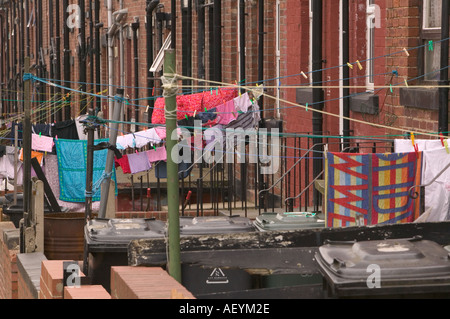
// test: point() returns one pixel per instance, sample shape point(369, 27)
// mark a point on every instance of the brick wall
point(86, 292)
point(8, 260)
point(29, 268)
point(129, 282)
point(51, 280)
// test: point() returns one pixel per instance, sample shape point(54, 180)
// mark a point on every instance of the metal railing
point(236, 188)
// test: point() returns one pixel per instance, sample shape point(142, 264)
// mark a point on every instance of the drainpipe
point(7, 63)
point(186, 10)
point(317, 92)
point(135, 27)
point(98, 25)
point(66, 60)
point(91, 47)
point(122, 49)
point(345, 71)
point(242, 38)
point(173, 7)
point(52, 70)
point(151, 6)
point(110, 61)
point(443, 90)
point(217, 42)
point(82, 55)
point(58, 53)
point(261, 48)
point(201, 39)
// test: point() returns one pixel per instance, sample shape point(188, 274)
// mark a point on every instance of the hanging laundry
point(161, 131)
point(146, 137)
point(242, 102)
point(80, 128)
point(41, 143)
point(405, 145)
point(371, 188)
point(205, 117)
point(123, 163)
point(39, 156)
point(227, 113)
point(190, 103)
point(7, 166)
point(126, 141)
point(139, 162)
point(43, 129)
point(437, 194)
point(156, 155)
point(65, 130)
point(52, 175)
point(72, 156)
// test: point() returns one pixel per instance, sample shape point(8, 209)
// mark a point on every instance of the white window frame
point(372, 14)
point(428, 34)
point(425, 17)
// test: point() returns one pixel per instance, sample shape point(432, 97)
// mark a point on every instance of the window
point(373, 16)
point(431, 31)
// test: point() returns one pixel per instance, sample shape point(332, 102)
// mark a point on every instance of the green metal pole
point(170, 86)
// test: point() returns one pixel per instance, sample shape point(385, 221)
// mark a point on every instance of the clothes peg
point(306, 107)
point(406, 51)
point(390, 88)
point(349, 65)
point(441, 136)
point(412, 139)
point(304, 75)
point(416, 149)
point(430, 45)
point(359, 65)
point(153, 92)
point(406, 83)
point(446, 147)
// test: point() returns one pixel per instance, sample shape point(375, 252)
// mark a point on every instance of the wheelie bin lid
point(122, 231)
point(215, 225)
point(288, 221)
point(403, 266)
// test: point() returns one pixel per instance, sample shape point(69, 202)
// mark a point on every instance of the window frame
point(426, 34)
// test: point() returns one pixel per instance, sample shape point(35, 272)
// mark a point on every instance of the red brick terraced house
point(358, 61)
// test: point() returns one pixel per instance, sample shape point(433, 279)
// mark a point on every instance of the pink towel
point(41, 143)
point(159, 154)
point(226, 113)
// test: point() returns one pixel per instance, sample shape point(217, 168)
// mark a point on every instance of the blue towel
point(72, 157)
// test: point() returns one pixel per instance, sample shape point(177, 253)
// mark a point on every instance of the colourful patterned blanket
point(369, 189)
